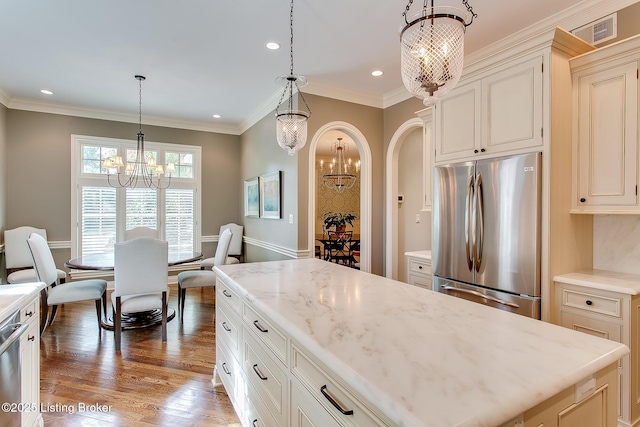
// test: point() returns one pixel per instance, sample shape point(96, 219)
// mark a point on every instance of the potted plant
point(338, 220)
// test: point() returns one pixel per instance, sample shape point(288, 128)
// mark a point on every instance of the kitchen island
point(306, 342)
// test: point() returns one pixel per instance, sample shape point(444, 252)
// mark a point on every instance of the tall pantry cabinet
point(519, 101)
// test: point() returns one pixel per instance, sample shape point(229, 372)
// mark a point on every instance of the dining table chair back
point(18, 259)
point(234, 255)
point(203, 278)
point(140, 232)
point(140, 280)
point(338, 246)
point(54, 295)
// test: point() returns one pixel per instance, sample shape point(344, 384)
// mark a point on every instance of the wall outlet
point(417, 218)
point(585, 388)
point(290, 218)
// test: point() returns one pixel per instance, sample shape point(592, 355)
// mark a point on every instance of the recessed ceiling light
point(377, 73)
point(46, 92)
point(216, 116)
point(272, 45)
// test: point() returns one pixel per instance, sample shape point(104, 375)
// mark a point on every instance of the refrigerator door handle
point(478, 294)
point(478, 203)
point(468, 226)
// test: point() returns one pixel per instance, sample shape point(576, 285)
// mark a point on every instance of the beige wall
point(260, 154)
point(39, 194)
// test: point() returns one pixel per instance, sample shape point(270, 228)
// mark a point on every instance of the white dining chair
point(234, 254)
point(54, 295)
point(140, 281)
point(203, 278)
point(141, 231)
point(18, 259)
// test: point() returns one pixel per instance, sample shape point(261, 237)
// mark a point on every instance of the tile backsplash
point(616, 243)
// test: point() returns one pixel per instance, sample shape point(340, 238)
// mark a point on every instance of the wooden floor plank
point(149, 383)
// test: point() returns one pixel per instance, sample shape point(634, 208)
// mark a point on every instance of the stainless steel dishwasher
point(10, 385)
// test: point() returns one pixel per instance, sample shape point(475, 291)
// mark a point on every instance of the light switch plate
point(290, 218)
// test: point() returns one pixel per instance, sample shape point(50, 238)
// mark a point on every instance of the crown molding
point(262, 111)
point(396, 96)
point(103, 114)
point(4, 98)
point(343, 93)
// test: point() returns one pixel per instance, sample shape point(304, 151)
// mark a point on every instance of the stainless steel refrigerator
point(486, 232)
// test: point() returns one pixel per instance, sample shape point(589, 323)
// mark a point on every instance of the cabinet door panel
point(607, 137)
point(458, 123)
point(512, 107)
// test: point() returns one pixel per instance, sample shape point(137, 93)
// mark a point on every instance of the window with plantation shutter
point(98, 220)
point(101, 213)
point(179, 218)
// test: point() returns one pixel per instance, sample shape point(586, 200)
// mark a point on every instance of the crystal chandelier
point(291, 125)
point(432, 49)
point(342, 180)
point(138, 167)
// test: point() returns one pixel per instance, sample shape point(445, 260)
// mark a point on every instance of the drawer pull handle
point(29, 313)
point(259, 372)
point(589, 302)
point(226, 294)
point(225, 369)
point(334, 401)
point(259, 326)
point(255, 423)
point(226, 328)
point(31, 338)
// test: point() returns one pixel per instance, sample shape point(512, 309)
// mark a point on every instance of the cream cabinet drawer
point(419, 266)
point(229, 371)
point(263, 372)
point(306, 411)
point(611, 306)
point(228, 329)
point(30, 311)
point(256, 413)
point(420, 280)
point(599, 328)
point(340, 403)
point(224, 293)
point(266, 331)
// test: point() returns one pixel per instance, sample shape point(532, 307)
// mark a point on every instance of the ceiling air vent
point(599, 31)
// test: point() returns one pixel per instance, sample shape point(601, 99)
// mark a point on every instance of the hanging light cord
point(140, 105)
point(292, 79)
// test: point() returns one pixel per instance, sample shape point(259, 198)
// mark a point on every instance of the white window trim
point(76, 174)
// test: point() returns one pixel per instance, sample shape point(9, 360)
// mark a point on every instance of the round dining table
point(105, 262)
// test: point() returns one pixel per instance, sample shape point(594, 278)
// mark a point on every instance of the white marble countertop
point(602, 279)
point(422, 358)
point(426, 254)
point(14, 297)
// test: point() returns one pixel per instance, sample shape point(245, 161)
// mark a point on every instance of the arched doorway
point(364, 153)
point(391, 194)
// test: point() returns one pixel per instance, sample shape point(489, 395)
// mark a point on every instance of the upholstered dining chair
point(140, 281)
point(204, 278)
point(18, 257)
point(139, 232)
point(54, 295)
point(235, 247)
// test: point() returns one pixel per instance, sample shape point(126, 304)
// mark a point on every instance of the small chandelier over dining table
point(342, 179)
point(432, 49)
point(291, 124)
point(141, 166)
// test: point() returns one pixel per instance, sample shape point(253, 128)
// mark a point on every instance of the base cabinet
point(30, 364)
point(610, 315)
point(419, 269)
point(273, 381)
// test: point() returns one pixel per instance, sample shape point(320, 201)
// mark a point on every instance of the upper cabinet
point(605, 137)
point(492, 115)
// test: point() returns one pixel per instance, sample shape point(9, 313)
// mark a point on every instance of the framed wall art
point(270, 199)
point(251, 197)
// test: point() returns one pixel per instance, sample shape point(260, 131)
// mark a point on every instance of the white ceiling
point(205, 57)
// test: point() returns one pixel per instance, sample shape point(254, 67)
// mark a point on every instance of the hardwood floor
point(149, 384)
